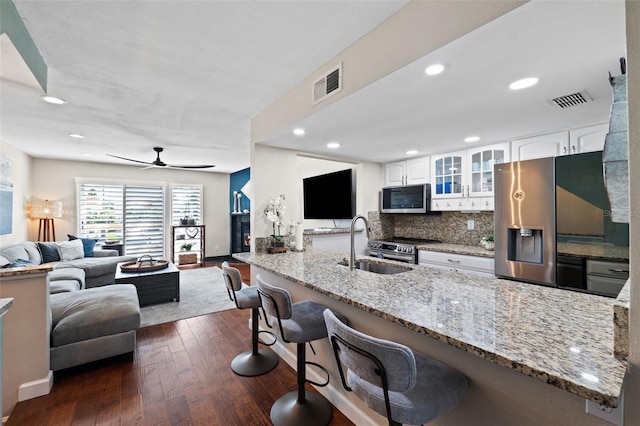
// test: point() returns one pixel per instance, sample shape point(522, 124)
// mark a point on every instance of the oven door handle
point(396, 257)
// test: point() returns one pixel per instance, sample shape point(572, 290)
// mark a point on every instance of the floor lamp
point(46, 212)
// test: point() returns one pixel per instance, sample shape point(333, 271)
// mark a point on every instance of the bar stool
point(298, 323)
point(256, 361)
point(405, 386)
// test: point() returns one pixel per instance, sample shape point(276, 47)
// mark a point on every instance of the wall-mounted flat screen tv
point(330, 196)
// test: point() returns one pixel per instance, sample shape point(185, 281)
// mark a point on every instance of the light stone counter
point(621, 322)
point(560, 337)
point(595, 251)
point(5, 304)
point(28, 270)
point(457, 249)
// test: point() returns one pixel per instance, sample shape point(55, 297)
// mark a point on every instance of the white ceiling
point(184, 75)
point(569, 45)
point(189, 75)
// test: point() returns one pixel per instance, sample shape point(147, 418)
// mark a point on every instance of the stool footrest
point(320, 385)
point(275, 338)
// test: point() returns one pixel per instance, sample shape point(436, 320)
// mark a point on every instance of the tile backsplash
point(448, 227)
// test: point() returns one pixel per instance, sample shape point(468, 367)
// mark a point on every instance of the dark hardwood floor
point(179, 375)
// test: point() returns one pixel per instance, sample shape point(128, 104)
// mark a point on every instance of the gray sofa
point(99, 270)
point(89, 319)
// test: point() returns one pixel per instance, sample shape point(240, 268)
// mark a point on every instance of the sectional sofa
point(99, 265)
point(90, 317)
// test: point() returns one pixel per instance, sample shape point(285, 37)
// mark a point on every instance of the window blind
point(186, 202)
point(144, 221)
point(101, 211)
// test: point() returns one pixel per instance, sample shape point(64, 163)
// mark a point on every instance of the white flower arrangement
point(275, 213)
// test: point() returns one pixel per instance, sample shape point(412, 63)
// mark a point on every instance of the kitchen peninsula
point(512, 340)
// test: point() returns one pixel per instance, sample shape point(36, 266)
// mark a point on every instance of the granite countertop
point(26, 270)
point(560, 337)
point(595, 251)
point(323, 231)
point(457, 249)
point(621, 322)
point(5, 304)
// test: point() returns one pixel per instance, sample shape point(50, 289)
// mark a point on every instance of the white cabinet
point(477, 265)
point(586, 139)
point(407, 172)
point(463, 180)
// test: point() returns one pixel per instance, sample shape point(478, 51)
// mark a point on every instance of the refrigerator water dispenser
point(525, 245)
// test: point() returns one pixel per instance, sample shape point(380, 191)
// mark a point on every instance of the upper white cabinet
point(463, 180)
point(407, 172)
point(586, 139)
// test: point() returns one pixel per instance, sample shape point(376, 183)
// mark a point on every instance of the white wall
point(55, 180)
point(21, 171)
point(276, 171)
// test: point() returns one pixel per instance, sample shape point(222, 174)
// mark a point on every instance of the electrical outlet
point(471, 225)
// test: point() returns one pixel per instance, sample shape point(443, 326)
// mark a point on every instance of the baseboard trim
point(36, 388)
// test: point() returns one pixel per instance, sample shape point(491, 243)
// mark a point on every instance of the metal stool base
point(316, 410)
point(248, 364)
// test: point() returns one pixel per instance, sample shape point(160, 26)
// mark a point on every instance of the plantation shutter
point(186, 202)
point(144, 221)
point(101, 213)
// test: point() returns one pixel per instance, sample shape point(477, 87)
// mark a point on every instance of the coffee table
point(155, 286)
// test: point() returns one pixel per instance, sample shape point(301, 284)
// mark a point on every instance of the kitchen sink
point(378, 268)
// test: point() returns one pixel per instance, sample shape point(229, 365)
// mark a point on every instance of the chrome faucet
point(352, 253)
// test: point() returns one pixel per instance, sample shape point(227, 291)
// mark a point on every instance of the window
point(186, 204)
point(135, 213)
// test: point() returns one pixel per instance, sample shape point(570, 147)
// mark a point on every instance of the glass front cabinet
point(463, 180)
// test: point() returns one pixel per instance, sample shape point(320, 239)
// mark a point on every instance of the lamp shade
point(46, 209)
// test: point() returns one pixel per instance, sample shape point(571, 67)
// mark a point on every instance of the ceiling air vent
point(328, 85)
point(571, 100)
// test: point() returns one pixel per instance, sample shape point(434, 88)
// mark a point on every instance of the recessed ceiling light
point(87, 154)
point(299, 131)
point(523, 83)
point(76, 135)
point(333, 145)
point(470, 139)
point(434, 69)
point(53, 100)
point(412, 152)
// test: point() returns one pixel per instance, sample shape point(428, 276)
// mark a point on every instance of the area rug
point(202, 291)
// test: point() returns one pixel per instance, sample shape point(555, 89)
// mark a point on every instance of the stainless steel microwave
point(406, 199)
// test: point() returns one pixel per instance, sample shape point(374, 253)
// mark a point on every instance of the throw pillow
point(70, 250)
point(20, 263)
point(49, 252)
point(88, 244)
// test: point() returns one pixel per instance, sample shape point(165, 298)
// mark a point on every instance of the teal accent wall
point(237, 181)
point(11, 24)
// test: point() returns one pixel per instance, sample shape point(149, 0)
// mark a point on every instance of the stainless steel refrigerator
point(525, 224)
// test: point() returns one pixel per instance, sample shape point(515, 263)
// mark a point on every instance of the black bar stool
point(299, 323)
point(256, 361)
point(405, 386)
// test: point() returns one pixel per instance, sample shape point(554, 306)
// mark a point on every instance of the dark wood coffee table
point(155, 286)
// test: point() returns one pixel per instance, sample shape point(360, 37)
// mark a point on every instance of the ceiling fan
point(159, 163)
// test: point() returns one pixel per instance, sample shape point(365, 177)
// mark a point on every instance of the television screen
point(330, 196)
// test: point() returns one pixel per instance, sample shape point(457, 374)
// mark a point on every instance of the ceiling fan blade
point(129, 159)
point(201, 166)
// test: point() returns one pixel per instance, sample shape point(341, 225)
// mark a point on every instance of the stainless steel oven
point(400, 249)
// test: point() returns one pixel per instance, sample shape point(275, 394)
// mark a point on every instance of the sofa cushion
point(89, 244)
point(26, 250)
point(92, 313)
point(95, 266)
point(21, 263)
point(70, 250)
point(4, 262)
point(49, 252)
point(63, 286)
